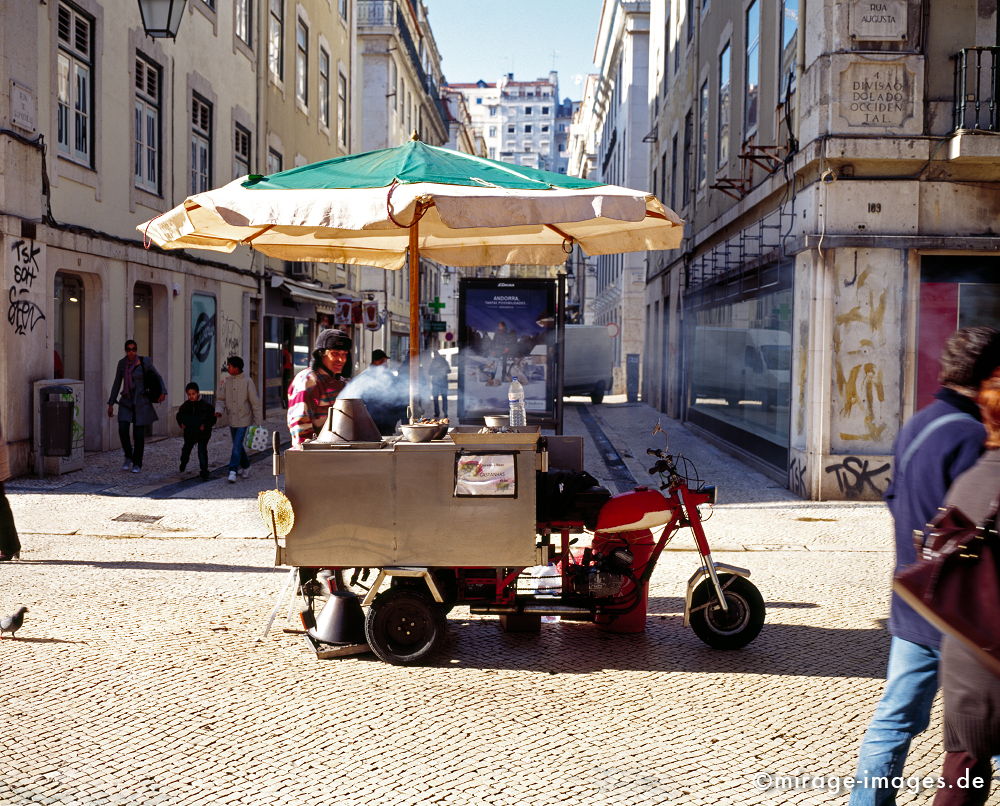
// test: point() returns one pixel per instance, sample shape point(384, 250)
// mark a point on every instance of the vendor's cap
point(379, 355)
point(332, 339)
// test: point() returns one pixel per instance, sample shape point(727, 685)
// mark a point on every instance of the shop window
point(67, 357)
point(740, 363)
point(204, 370)
point(142, 318)
point(955, 291)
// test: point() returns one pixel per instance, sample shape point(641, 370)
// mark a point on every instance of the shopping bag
point(956, 586)
point(257, 438)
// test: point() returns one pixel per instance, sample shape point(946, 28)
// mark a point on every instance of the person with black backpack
point(140, 386)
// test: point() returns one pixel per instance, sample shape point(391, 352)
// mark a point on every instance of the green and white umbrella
point(375, 208)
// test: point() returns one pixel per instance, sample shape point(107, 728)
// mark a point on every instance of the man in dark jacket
point(937, 444)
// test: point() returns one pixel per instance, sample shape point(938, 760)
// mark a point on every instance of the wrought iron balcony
point(976, 89)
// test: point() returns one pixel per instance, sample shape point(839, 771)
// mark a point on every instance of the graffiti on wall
point(23, 313)
point(797, 476)
point(859, 379)
point(854, 476)
point(229, 336)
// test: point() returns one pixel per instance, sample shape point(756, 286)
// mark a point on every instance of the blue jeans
point(238, 458)
point(902, 713)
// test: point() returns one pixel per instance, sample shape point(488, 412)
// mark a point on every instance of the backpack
point(153, 388)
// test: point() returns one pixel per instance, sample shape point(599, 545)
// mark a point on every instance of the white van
point(589, 360)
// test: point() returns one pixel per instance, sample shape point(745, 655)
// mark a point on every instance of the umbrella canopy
point(416, 200)
point(472, 212)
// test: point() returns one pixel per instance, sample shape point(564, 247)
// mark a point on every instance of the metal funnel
point(349, 421)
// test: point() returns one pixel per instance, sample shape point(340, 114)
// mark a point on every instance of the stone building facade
point(836, 169)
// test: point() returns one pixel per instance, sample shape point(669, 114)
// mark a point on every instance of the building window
point(276, 38)
point(204, 370)
point(673, 172)
point(493, 131)
point(147, 125)
point(493, 111)
point(241, 151)
point(527, 110)
point(479, 100)
point(302, 62)
point(142, 316)
point(342, 110)
point(527, 128)
point(545, 129)
point(392, 84)
point(342, 8)
point(789, 35)
point(74, 68)
point(510, 130)
point(545, 110)
point(68, 327)
point(493, 153)
point(689, 18)
point(274, 160)
point(722, 152)
point(201, 144)
point(752, 90)
point(324, 88)
point(688, 143)
point(243, 13)
point(703, 134)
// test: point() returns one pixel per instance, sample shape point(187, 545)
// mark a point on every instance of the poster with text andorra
point(506, 329)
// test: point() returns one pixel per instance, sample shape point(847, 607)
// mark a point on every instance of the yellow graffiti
point(874, 318)
point(874, 389)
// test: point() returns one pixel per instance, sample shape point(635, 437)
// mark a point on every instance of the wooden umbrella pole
point(414, 258)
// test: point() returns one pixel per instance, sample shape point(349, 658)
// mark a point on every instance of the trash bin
point(57, 421)
point(57, 425)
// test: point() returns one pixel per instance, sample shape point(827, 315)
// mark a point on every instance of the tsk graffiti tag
point(854, 476)
point(23, 314)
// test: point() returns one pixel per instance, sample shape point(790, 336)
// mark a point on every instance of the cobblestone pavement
point(137, 679)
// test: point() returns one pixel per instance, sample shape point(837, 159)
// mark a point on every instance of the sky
point(485, 39)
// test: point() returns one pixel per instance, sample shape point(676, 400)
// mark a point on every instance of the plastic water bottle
point(515, 401)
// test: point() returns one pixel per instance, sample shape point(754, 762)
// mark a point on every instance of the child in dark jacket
point(196, 417)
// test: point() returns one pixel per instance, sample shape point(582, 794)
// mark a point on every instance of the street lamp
point(161, 18)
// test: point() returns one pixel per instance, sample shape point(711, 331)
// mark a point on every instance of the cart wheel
point(731, 629)
point(447, 586)
point(403, 626)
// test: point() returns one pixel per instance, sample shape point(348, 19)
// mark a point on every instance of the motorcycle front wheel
point(735, 627)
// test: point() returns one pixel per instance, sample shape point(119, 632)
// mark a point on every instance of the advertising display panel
point(506, 330)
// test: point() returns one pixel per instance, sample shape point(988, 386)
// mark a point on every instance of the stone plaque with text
point(876, 95)
point(878, 21)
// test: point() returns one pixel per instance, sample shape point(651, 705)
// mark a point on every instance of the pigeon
point(12, 623)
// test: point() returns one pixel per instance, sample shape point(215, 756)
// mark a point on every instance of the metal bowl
point(419, 432)
point(497, 420)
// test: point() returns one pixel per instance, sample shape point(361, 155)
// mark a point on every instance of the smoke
point(376, 385)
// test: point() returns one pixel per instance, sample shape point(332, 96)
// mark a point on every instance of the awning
point(303, 292)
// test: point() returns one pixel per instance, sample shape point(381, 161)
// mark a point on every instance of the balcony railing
point(376, 12)
point(976, 89)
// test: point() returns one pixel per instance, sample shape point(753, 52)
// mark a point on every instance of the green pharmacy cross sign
point(437, 305)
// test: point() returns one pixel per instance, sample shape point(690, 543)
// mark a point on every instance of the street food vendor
point(314, 390)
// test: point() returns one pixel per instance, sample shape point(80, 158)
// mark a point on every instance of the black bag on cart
point(569, 495)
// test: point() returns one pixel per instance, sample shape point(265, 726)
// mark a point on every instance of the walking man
point(937, 444)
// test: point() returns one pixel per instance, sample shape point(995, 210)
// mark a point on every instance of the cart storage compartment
point(396, 506)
